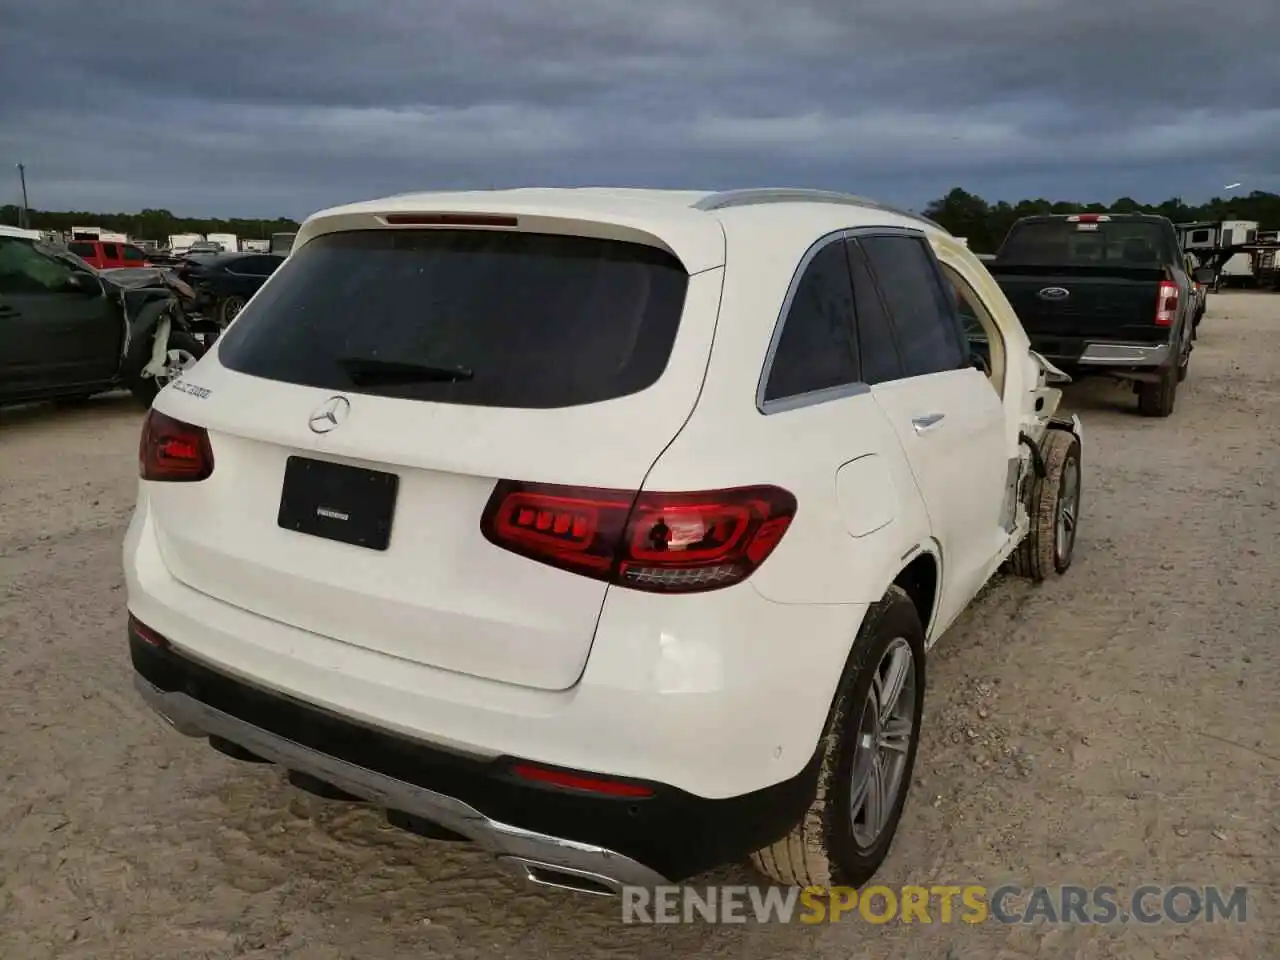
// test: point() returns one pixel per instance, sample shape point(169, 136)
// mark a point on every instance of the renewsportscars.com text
point(972, 904)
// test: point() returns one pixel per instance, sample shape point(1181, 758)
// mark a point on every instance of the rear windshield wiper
point(365, 371)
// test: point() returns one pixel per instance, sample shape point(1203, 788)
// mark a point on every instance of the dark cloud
point(246, 106)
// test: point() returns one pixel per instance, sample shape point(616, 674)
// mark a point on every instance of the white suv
point(608, 529)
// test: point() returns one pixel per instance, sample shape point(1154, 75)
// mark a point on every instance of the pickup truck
point(1105, 294)
point(109, 254)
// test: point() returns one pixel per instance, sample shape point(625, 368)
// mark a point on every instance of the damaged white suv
point(607, 529)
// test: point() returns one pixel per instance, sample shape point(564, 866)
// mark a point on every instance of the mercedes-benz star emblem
point(1054, 293)
point(329, 415)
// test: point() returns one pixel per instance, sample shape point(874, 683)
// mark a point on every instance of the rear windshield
point(1130, 243)
point(476, 317)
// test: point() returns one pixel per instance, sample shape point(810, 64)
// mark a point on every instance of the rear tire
point(841, 840)
point(1053, 506)
point(1158, 399)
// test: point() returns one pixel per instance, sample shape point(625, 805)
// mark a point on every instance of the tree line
point(148, 224)
point(964, 214)
point(985, 224)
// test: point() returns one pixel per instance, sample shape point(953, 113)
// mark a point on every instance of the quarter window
point(816, 350)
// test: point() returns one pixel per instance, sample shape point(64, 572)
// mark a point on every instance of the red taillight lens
point(659, 542)
point(1166, 304)
point(146, 634)
point(173, 451)
point(578, 781)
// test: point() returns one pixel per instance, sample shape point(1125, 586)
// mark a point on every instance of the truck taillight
point(172, 451)
point(1088, 218)
point(1166, 304)
point(657, 542)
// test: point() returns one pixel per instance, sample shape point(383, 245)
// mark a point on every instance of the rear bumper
point(549, 835)
point(1085, 352)
point(718, 695)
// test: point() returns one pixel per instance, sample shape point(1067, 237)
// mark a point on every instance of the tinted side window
point(923, 317)
point(24, 269)
point(816, 350)
point(134, 255)
point(876, 347)
point(111, 251)
point(81, 249)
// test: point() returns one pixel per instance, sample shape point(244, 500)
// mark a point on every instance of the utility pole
point(22, 176)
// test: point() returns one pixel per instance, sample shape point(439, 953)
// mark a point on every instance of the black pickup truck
point(1104, 294)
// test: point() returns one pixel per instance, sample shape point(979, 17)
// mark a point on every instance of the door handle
point(927, 422)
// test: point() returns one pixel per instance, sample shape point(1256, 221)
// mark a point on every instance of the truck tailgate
point(1099, 303)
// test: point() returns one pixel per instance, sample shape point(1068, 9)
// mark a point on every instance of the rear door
point(134, 256)
point(52, 332)
point(449, 359)
point(111, 255)
point(947, 414)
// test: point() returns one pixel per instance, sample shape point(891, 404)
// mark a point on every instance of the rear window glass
point(476, 317)
point(1109, 243)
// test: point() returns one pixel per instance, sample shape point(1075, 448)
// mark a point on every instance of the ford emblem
point(1054, 293)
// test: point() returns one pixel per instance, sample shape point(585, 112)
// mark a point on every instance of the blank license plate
point(338, 502)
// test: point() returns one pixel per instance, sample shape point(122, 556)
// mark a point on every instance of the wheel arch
point(921, 579)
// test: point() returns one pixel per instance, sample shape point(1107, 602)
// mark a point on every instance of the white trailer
point(180, 243)
point(229, 241)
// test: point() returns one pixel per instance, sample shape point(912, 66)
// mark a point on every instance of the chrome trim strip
point(1122, 354)
point(512, 846)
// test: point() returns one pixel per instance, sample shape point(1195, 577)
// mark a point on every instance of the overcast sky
point(265, 107)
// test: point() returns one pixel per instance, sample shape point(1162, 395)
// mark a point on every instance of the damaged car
point(610, 530)
point(68, 331)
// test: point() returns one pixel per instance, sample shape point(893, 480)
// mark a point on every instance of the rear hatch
point(433, 362)
point(1086, 280)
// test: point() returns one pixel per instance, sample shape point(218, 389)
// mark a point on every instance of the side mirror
point(84, 283)
point(1204, 275)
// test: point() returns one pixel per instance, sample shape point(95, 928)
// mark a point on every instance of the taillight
point(1166, 304)
point(173, 451)
point(658, 542)
point(1088, 218)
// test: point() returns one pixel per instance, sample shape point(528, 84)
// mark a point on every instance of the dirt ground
point(1117, 726)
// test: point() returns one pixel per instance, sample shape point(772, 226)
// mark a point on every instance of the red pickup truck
point(108, 254)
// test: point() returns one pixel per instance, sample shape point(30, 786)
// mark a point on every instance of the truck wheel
point(182, 351)
point(868, 752)
point(1157, 399)
point(1054, 510)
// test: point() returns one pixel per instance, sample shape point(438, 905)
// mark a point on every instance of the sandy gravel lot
point(1118, 726)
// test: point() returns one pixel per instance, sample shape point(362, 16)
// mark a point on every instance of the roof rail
point(757, 195)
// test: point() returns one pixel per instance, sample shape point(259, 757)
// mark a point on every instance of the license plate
point(338, 502)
